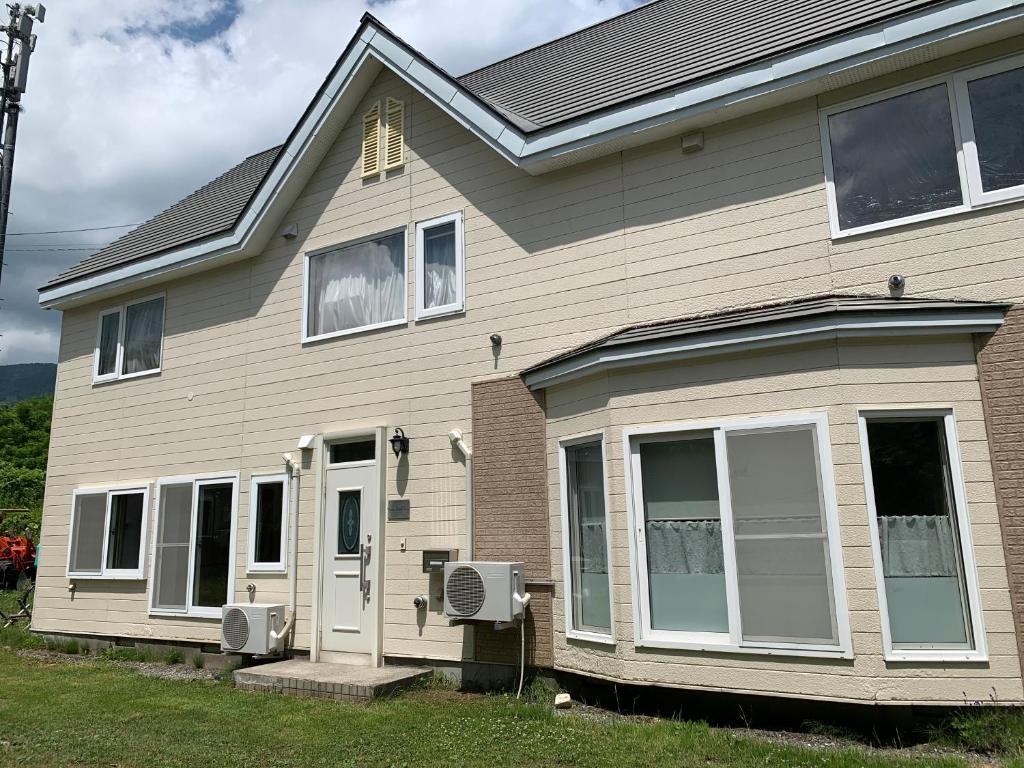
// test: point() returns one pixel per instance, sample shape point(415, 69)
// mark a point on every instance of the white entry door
point(351, 552)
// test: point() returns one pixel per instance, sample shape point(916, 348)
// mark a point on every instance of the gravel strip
point(148, 668)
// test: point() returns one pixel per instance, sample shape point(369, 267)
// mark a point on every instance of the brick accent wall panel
point(510, 508)
point(1001, 370)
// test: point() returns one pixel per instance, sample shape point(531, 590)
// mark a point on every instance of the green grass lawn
point(94, 714)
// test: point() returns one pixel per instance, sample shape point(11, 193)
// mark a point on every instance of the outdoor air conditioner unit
point(247, 628)
point(485, 591)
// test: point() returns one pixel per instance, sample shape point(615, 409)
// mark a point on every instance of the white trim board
point(798, 74)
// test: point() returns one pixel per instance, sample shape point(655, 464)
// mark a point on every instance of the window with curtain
point(439, 266)
point(737, 512)
point(356, 287)
point(108, 533)
point(918, 532)
point(268, 526)
point(588, 543)
point(904, 156)
point(192, 547)
point(129, 340)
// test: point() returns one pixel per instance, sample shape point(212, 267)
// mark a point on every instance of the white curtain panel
point(143, 329)
point(917, 545)
point(357, 286)
point(439, 278)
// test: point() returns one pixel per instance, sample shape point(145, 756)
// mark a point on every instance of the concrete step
point(321, 680)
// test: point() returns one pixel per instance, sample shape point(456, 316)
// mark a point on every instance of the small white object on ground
point(563, 701)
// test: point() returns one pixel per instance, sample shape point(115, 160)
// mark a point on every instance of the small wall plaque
point(398, 509)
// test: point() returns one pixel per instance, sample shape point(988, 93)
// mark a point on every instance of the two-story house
point(705, 313)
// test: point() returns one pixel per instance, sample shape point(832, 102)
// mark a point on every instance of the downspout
point(280, 639)
point(467, 454)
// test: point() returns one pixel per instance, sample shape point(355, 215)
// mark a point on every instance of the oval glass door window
point(348, 522)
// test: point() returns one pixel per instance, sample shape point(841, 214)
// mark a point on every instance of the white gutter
point(280, 639)
point(467, 454)
point(792, 75)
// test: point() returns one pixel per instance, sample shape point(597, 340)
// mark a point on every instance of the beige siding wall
point(551, 262)
point(834, 379)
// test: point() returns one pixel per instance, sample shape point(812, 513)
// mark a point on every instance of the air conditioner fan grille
point(465, 590)
point(235, 628)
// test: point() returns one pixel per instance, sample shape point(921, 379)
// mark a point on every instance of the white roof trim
point(560, 145)
point(898, 323)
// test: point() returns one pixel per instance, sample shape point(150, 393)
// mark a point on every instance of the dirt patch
point(148, 668)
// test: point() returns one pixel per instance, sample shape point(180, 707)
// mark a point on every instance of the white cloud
point(124, 114)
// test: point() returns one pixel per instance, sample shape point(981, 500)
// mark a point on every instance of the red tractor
point(17, 557)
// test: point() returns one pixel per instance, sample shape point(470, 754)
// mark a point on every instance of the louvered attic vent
point(390, 153)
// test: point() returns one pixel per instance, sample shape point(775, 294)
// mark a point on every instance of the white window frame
point(403, 320)
point(120, 311)
point(731, 642)
point(605, 638)
point(973, 594)
point(197, 481)
point(963, 137)
point(423, 312)
point(122, 574)
point(281, 565)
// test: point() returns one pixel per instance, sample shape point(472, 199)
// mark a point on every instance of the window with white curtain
point(108, 533)
point(920, 535)
point(585, 540)
point(736, 538)
point(194, 545)
point(356, 287)
point(933, 148)
point(129, 340)
point(440, 271)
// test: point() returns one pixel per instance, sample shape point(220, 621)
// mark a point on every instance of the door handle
point(364, 557)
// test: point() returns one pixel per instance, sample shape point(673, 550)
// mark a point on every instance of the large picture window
point(920, 536)
point(108, 533)
point(736, 539)
point(585, 541)
point(129, 339)
point(356, 287)
point(933, 148)
point(193, 549)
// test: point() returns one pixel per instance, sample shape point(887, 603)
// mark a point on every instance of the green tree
point(24, 443)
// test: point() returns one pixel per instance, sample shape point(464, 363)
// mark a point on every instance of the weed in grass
point(438, 681)
point(989, 731)
point(198, 661)
point(173, 657)
point(227, 675)
point(124, 653)
point(537, 691)
point(70, 647)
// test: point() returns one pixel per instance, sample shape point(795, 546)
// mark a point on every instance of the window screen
point(588, 548)
point(784, 574)
point(357, 286)
point(683, 530)
point(918, 535)
point(124, 538)
point(173, 537)
point(895, 158)
point(213, 545)
point(87, 533)
point(269, 522)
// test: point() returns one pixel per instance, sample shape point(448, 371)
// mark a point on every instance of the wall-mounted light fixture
point(399, 442)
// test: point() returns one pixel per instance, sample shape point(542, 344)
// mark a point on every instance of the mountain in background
point(25, 380)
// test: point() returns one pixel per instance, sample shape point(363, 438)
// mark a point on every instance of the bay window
point(921, 540)
point(355, 287)
point(585, 540)
point(129, 340)
point(735, 537)
point(933, 148)
point(193, 549)
point(108, 536)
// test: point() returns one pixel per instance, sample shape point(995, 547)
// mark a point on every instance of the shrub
point(989, 731)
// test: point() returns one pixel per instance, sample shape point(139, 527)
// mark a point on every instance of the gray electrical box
point(434, 559)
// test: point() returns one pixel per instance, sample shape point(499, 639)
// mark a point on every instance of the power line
point(67, 231)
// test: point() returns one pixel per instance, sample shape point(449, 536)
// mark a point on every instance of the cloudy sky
point(132, 104)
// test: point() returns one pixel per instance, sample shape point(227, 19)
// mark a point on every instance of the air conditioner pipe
point(467, 453)
point(280, 639)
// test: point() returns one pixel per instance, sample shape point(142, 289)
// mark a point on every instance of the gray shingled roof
point(659, 46)
point(699, 327)
point(210, 210)
point(662, 45)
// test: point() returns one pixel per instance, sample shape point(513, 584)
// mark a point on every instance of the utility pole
point(15, 81)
